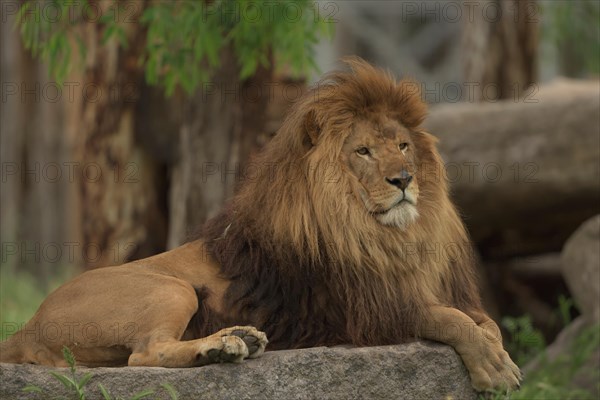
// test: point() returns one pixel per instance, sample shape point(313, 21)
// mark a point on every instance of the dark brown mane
point(305, 264)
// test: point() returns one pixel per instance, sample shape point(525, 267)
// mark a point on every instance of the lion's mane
point(307, 263)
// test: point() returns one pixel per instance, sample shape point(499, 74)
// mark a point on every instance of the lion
point(346, 236)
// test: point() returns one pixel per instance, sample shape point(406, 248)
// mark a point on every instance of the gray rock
point(560, 347)
point(587, 374)
point(581, 267)
point(523, 173)
point(419, 370)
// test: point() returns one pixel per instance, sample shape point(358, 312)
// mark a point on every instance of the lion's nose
point(402, 181)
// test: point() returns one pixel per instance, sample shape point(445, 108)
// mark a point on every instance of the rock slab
point(418, 370)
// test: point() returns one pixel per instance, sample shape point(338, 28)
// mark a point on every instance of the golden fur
point(319, 248)
point(314, 216)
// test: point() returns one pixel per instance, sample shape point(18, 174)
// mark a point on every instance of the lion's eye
point(363, 151)
point(403, 146)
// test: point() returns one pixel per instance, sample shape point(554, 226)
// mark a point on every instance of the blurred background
point(125, 125)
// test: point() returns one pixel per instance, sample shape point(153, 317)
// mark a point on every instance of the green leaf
point(171, 390)
point(104, 392)
point(248, 67)
point(142, 394)
point(122, 37)
point(83, 381)
point(565, 304)
point(32, 389)
point(108, 33)
point(170, 83)
point(24, 10)
point(69, 358)
point(65, 380)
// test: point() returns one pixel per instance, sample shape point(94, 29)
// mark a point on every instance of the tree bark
point(117, 177)
point(500, 48)
point(14, 63)
point(34, 185)
point(221, 124)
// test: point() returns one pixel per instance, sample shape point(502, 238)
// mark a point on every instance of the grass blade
point(171, 390)
point(65, 380)
point(32, 389)
point(104, 392)
point(143, 394)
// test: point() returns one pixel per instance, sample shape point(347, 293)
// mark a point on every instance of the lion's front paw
point(227, 349)
point(491, 368)
point(255, 340)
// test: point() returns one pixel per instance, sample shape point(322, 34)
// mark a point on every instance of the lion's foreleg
point(479, 345)
point(485, 322)
point(228, 345)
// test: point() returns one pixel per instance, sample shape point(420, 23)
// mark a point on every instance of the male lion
point(347, 236)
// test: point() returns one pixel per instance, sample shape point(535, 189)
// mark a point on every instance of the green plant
point(552, 379)
point(565, 305)
point(581, 40)
point(525, 341)
point(75, 385)
point(183, 39)
point(72, 383)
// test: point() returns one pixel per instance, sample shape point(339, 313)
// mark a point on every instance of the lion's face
point(380, 155)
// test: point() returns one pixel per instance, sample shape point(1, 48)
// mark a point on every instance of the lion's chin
point(400, 216)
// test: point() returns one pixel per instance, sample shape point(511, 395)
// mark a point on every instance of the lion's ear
point(312, 127)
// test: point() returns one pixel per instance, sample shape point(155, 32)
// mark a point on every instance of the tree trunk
point(500, 45)
point(221, 124)
point(34, 185)
point(15, 67)
point(118, 194)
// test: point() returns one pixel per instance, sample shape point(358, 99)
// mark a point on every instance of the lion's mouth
point(395, 205)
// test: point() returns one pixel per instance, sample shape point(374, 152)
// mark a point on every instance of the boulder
point(418, 370)
point(523, 172)
point(581, 267)
point(586, 374)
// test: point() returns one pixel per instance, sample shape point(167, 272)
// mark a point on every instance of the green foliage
point(72, 383)
point(44, 28)
point(184, 39)
point(551, 379)
point(75, 385)
point(565, 305)
point(525, 341)
point(574, 25)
